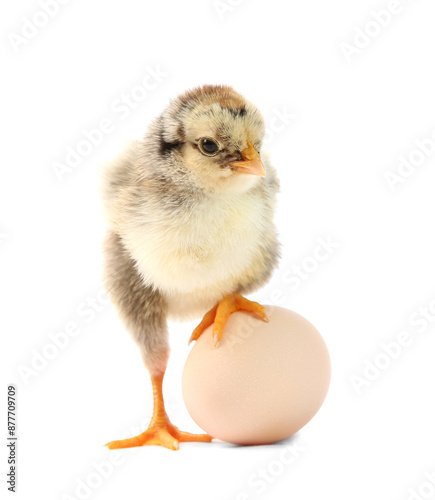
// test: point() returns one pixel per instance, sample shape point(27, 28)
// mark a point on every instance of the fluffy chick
point(190, 210)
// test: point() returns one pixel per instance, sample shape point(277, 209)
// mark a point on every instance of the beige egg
point(262, 383)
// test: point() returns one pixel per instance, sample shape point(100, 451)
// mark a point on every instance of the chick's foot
point(160, 430)
point(164, 434)
point(220, 313)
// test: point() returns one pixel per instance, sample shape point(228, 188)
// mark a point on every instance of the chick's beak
point(251, 163)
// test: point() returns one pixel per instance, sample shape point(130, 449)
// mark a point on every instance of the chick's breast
point(193, 249)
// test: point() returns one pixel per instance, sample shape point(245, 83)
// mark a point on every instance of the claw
point(216, 340)
point(222, 311)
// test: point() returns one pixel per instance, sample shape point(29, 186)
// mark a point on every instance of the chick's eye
point(208, 147)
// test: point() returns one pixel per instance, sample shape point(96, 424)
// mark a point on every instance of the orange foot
point(221, 312)
point(164, 434)
point(160, 431)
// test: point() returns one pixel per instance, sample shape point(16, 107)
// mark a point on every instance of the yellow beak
point(252, 163)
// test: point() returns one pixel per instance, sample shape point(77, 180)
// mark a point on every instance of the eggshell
point(262, 383)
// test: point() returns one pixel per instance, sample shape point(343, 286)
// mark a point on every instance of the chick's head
point(217, 135)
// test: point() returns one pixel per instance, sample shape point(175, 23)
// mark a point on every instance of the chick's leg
point(143, 311)
point(160, 430)
point(220, 313)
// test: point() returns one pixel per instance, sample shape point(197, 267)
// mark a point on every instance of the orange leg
point(160, 430)
point(222, 311)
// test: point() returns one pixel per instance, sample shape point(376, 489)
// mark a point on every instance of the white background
point(351, 118)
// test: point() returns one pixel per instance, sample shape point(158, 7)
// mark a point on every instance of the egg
point(262, 383)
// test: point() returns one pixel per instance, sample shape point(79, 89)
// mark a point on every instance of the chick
point(190, 213)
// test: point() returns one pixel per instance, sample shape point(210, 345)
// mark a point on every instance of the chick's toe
point(220, 313)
